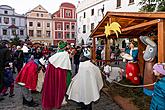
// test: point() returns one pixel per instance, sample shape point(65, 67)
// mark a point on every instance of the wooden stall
point(133, 25)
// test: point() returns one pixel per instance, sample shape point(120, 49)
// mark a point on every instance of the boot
point(1, 98)
point(29, 103)
point(11, 95)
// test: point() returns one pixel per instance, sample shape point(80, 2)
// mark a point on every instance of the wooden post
point(161, 41)
point(107, 49)
point(94, 49)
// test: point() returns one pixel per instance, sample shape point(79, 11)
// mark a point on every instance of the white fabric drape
point(86, 85)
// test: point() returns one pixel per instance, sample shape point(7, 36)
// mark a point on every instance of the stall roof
point(132, 23)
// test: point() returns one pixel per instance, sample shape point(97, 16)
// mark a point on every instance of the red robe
point(28, 75)
point(54, 87)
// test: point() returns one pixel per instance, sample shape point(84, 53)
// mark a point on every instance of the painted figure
point(132, 67)
point(149, 57)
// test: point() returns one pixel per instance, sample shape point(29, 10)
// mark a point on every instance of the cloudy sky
point(22, 6)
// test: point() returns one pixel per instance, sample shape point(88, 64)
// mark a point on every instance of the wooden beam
point(149, 15)
point(161, 41)
point(141, 25)
point(145, 29)
point(130, 22)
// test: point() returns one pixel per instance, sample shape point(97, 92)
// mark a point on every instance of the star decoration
point(107, 30)
point(115, 27)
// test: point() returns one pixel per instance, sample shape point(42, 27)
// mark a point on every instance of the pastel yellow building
point(39, 26)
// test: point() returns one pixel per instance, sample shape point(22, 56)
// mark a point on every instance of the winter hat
point(159, 68)
point(18, 47)
point(62, 44)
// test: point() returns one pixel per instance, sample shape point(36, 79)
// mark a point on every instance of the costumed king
point(55, 82)
point(86, 84)
point(27, 79)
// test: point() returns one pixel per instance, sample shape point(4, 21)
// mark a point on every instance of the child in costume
point(27, 79)
point(158, 97)
point(57, 78)
point(86, 84)
point(8, 81)
point(107, 70)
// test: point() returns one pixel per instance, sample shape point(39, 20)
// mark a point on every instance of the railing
point(101, 63)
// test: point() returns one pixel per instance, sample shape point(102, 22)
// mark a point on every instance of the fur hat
point(159, 68)
point(62, 44)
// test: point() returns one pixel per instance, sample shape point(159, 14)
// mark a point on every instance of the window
point(37, 14)
point(31, 33)
point(21, 32)
point(118, 3)
point(58, 26)
point(73, 35)
point(6, 20)
point(0, 20)
point(92, 12)
point(131, 1)
point(5, 12)
point(38, 24)
point(47, 33)
point(84, 14)
point(48, 24)
point(67, 26)
point(92, 26)
point(42, 15)
point(38, 33)
point(67, 35)
point(84, 28)
point(73, 27)
point(4, 31)
point(30, 23)
point(68, 13)
point(14, 32)
point(13, 20)
point(59, 35)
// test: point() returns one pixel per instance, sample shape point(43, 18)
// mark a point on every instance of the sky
point(23, 6)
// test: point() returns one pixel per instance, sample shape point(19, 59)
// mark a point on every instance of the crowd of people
point(51, 73)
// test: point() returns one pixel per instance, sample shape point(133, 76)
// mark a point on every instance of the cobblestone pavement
point(15, 103)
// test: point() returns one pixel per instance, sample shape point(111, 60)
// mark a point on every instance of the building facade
point(11, 24)
point(64, 23)
point(91, 12)
point(39, 26)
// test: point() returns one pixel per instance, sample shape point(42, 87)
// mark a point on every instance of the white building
point(11, 24)
point(90, 13)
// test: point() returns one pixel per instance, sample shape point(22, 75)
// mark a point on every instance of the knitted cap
point(159, 68)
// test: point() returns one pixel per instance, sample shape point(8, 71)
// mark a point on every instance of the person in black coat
point(4, 57)
point(77, 58)
point(19, 58)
